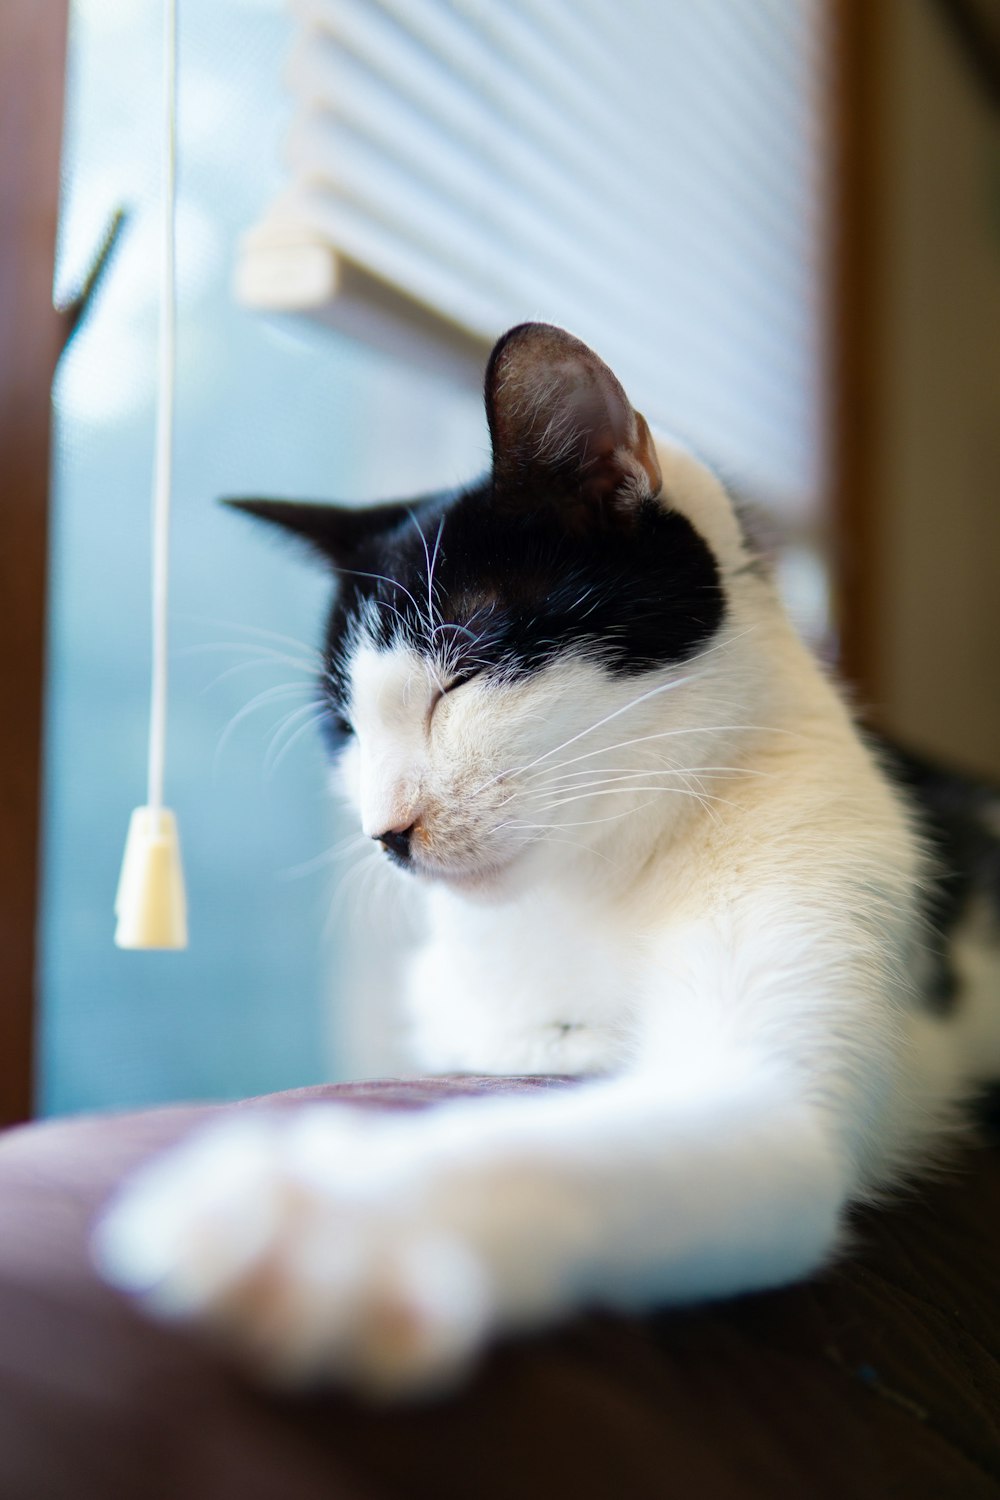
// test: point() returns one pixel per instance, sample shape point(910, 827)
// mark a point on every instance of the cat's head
point(524, 666)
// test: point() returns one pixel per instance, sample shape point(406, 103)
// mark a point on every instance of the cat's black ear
point(334, 532)
point(563, 428)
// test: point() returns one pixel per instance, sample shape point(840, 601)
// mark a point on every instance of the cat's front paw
point(301, 1242)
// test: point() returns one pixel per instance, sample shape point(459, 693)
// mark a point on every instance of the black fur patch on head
point(512, 587)
point(567, 547)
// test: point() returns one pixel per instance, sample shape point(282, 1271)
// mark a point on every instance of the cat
point(656, 852)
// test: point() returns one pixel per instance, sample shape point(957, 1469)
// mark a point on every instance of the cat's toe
point(295, 1244)
point(420, 1318)
point(189, 1226)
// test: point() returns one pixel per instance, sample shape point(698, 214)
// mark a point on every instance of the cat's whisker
point(510, 797)
point(361, 863)
point(586, 849)
point(393, 583)
point(404, 629)
point(434, 559)
point(570, 843)
point(450, 626)
point(576, 778)
point(286, 723)
point(304, 647)
point(431, 605)
point(663, 734)
point(263, 656)
point(561, 800)
point(248, 666)
point(663, 687)
point(269, 695)
point(620, 783)
point(378, 888)
point(429, 566)
point(428, 614)
point(312, 713)
point(351, 844)
point(587, 822)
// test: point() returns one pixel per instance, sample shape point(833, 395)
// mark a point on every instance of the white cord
point(163, 463)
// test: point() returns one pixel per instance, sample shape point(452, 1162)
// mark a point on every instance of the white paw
point(303, 1242)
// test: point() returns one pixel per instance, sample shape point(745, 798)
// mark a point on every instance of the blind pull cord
point(150, 905)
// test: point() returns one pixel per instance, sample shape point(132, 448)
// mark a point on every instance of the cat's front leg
point(384, 1251)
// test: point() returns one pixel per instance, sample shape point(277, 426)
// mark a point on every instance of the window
point(648, 174)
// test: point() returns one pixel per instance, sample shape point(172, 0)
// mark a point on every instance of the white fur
point(730, 934)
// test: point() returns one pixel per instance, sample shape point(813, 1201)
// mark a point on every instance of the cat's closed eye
point(460, 679)
point(445, 689)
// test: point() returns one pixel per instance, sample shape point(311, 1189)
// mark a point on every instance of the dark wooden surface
point(32, 63)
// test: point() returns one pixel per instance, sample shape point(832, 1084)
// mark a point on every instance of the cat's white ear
point(562, 426)
point(333, 532)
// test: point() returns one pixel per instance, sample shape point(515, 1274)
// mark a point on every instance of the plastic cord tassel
point(151, 906)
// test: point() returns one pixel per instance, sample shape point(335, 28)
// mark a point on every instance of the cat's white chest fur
point(538, 986)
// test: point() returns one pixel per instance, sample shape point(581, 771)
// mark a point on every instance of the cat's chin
point(482, 882)
point(528, 867)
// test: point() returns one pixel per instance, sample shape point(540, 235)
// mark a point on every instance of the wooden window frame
point(32, 81)
point(853, 296)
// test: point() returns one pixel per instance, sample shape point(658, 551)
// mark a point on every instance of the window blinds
point(646, 172)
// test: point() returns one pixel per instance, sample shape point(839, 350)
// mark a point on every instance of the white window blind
point(646, 172)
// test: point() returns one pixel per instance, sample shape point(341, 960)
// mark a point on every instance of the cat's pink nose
point(397, 842)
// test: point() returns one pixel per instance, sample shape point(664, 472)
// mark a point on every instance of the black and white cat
point(568, 702)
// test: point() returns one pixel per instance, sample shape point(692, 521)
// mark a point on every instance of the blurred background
point(779, 220)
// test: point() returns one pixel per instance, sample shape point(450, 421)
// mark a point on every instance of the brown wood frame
point(853, 335)
point(32, 71)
